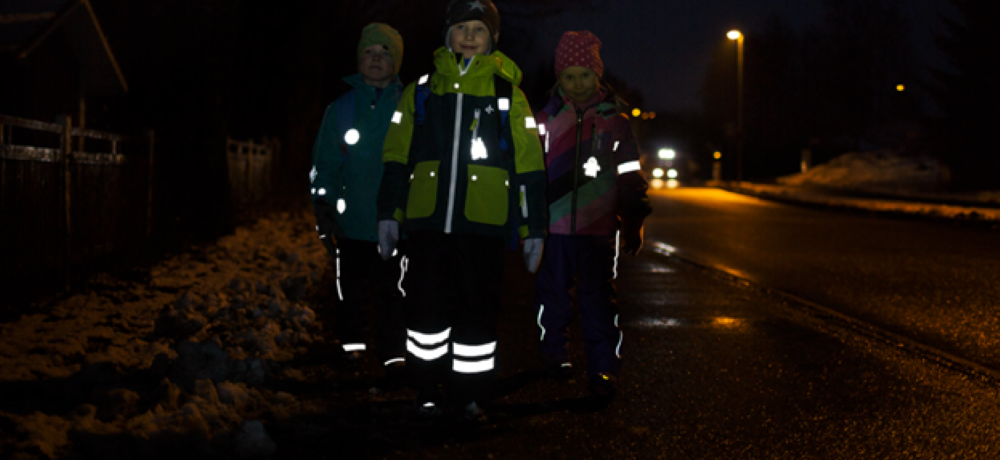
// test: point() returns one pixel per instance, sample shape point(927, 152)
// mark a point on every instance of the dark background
point(821, 77)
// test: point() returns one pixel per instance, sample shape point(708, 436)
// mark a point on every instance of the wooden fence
point(251, 167)
point(61, 205)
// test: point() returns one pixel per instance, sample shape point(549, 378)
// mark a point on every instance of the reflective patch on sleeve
point(504, 104)
point(541, 130)
point(529, 122)
point(616, 146)
point(423, 79)
point(628, 167)
point(352, 136)
point(397, 117)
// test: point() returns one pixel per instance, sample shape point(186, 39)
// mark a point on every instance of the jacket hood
point(447, 63)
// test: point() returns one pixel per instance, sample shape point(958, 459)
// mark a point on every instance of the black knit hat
point(472, 10)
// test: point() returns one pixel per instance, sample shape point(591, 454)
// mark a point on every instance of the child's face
point(470, 38)
point(579, 83)
point(376, 64)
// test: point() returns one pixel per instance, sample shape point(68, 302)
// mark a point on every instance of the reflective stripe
point(616, 146)
point(541, 129)
point(429, 339)
point(341, 205)
point(314, 190)
point(423, 79)
point(340, 293)
point(397, 117)
point(524, 201)
point(621, 336)
point(617, 249)
point(628, 167)
point(425, 354)
point(529, 122)
point(404, 263)
point(312, 174)
point(354, 347)
point(472, 367)
point(474, 351)
point(322, 191)
point(541, 309)
point(503, 103)
point(454, 161)
point(394, 360)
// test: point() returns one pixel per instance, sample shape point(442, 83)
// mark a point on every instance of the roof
point(26, 24)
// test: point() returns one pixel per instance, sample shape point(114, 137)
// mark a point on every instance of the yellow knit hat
point(377, 33)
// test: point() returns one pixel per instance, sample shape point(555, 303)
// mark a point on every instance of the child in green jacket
point(463, 163)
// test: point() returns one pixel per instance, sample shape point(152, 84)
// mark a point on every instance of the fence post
point(149, 193)
point(251, 193)
point(67, 152)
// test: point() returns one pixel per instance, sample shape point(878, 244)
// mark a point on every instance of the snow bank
point(882, 170)
point(208, 326)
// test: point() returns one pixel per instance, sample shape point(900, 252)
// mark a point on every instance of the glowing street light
point(717, 155)
point(900, 88)
point(666, 154)
point(636, 112)
point(738, 37)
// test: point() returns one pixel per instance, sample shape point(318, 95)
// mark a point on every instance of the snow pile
point(881, 170)
point(887, 173)
point(209, 327)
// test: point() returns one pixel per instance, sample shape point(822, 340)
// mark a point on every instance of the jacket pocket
point(488, 193)
point(423, 190)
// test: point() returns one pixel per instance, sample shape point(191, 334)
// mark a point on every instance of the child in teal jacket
point(347, 169)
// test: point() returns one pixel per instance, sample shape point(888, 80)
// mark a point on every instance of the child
point(597, 197)
point(461, 159)
point(347, 168)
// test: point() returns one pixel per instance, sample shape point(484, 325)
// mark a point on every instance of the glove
point(326, 224)
point(632, 236)
point(388, 236)
point(533, 253)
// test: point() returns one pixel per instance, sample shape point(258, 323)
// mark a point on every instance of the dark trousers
point(365, 281)
point(589, 263)
point(452, 300)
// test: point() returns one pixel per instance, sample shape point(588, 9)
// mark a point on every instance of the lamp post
point(738, 37)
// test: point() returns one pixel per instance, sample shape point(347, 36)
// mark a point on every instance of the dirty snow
point(883, 181)
point(210, 326)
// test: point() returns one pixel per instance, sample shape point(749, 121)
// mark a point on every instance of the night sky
point(667, 45)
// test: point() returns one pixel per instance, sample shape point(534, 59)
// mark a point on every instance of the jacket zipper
point(576, 167)
point(454, 164)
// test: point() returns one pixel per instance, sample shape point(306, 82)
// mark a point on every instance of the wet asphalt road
point(714, 368)
point(933, 282)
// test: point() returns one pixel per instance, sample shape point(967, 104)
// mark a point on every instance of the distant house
point(55, 58)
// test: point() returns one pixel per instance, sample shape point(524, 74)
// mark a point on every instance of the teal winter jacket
point(348, 176)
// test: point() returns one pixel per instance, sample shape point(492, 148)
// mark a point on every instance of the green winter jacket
point(449, 172)
point(347, 176)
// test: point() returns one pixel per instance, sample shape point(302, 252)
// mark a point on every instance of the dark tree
point(830, 88)
point(968, 95)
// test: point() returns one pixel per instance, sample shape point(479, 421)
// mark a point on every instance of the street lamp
point(738, 37)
